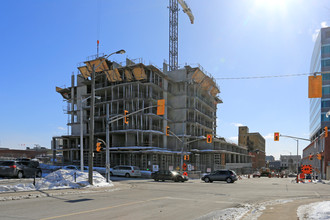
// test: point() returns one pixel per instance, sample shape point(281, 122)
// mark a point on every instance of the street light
point(92, 109)
point(328, 114)
point(82, 131)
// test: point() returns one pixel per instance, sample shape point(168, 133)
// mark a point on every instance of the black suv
point(168, 175)
point(220, 175)
point(20, 168)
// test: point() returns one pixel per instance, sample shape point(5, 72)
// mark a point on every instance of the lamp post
point(82, 132)
point(92, 109)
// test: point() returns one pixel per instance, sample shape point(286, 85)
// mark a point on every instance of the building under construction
point(191, 96)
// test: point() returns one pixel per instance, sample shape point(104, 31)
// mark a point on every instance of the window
point(325, 104)
point(325, 90)
point(325, 49)
point(325, 76)
point(325, 62)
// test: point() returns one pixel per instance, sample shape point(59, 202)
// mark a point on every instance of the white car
point(127, 171)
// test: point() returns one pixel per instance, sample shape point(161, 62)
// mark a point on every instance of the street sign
point(155, 168)
point(306, 169)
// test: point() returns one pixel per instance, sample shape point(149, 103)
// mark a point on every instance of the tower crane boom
point(187, 10)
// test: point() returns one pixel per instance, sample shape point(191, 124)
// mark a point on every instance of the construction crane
point(173, 33)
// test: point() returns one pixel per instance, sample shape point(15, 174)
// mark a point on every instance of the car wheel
point(228, 180)
point(207, 180)
point(39, 174)
point(127, 175)
point(20, 174)
point(156, 180)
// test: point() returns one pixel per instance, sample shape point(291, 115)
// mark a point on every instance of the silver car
point(127, 171)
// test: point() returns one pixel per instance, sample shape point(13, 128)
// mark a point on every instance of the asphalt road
point(146, 199)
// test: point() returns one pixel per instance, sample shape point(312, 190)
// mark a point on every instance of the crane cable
point(261, 77)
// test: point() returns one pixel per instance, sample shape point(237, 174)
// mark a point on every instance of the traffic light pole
point(297, 139)
point(184, 143)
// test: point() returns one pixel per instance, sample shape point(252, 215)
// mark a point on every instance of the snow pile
point(246, 211)
point(227, 214)
point(317, 210)
point(60, 179)
point(18, 187)
point(70, 179)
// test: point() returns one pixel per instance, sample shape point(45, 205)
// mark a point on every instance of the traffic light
point(311, 157)
point(326, 131)
point(319, 156)
point(209, 138)
point(186, 157)
point(99, 147)
point(126, 117)
point(167, 130)
point(276, 136)
point(161, 107)
point(315, 86)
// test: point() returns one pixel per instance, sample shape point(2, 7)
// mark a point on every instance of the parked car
point(20, 169)
point(30, 168)
point(70, 167)
point(220, 175)
point(256, 174)
point(168, 175)
point(73, 167)
point(127, 171)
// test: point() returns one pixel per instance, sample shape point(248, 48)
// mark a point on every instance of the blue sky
point(42, 41)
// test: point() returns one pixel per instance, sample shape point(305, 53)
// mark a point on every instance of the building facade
point(320, 165)
point(320, 62)
point(255, 144)
point(191, 98)
point(290, 162)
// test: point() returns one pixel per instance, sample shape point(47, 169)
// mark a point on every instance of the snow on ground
point(317, 210)
point(244, 212)
point(60, 179)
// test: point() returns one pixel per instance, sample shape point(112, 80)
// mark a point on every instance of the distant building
point(275, 165)
point(255, 143)
point(290, 162)
point(6, 153)
point(270, 158)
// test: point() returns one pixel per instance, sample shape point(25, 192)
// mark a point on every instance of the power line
point(261, 77)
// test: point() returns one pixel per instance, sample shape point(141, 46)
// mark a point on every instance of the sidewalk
point(286, 211)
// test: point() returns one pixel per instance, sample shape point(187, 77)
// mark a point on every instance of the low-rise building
point(290, 162)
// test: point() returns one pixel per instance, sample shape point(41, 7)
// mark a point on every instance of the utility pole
point(91, 129)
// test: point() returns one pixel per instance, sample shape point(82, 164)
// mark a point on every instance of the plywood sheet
point(214, 91)
point(128, 75)
point(84, 71)
point(113, 75)
point(139, 73)
point(96, 63)
point(206, 83)
point(198, 76)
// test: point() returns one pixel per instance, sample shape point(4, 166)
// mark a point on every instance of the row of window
point(325, 49)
